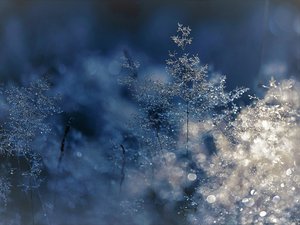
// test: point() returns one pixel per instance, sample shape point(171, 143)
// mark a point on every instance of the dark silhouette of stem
point(123, 165)
point(62, 150)
point(187, 129)
point(62, 146)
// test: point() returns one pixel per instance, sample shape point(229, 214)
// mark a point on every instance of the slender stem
point(264, 37)
point(123, 166)
point(31, 190)
point(62, 146)
point(187, 128)
point(61, 155)
point(160, 145)
point(43, 207)
point(151, 163)
point(31, 200)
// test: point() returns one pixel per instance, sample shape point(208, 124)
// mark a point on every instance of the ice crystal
point(182, 39)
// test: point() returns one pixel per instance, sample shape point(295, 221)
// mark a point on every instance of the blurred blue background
point(246, 40)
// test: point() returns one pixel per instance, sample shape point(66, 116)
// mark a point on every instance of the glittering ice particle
point(289, 172)
point(262, 213)
point(248, 202)
point(211, 199)
point(192, 177)
point(79, 154)
point(276, 199)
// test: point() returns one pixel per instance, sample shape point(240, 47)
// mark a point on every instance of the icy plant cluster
point(207, 158)
point(27, 109)
point(185, 96)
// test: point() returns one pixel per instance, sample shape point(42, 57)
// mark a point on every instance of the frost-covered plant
point(27, 110)
point(256, 180)
point(187, 95)
point(28, 107)
point(246, 173)
point(152, 124)
point(198, 97)
point(167, 127)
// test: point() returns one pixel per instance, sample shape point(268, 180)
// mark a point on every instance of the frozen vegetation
point(172, 148)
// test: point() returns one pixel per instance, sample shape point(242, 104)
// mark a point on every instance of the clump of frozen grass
point(27, 108)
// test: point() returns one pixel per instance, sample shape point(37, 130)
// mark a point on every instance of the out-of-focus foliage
point(28, 109)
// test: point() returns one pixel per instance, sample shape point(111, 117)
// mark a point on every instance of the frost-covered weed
point(27, 109)
point(188, 95)
point(167, 128)
point(215, 164)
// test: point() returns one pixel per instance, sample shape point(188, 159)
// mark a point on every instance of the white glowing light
point(79, 154)
point(211, 199)
point(192, 176)
point(252, 192)
point(289, 172)
point(262, 213)
point(248, 202)
point(276, 199)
